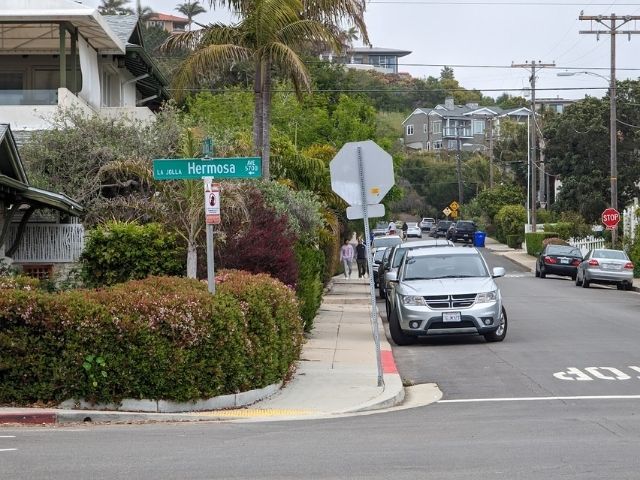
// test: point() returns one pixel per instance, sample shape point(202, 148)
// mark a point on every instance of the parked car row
point(462, 230)
point(600, 265)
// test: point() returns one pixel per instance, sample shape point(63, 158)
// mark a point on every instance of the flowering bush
point(158, 338)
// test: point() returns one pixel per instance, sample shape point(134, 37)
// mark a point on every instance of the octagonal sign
point(377, 168)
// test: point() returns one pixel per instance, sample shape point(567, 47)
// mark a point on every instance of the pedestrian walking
point(361, 258)
point(346, 257)
point(391, 229)
point(405, 227)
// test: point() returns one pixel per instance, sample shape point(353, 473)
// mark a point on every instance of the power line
point(406, 90)
point(479, 66)
point(504, 3)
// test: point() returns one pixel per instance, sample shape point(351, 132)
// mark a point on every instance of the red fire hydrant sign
point(211, 201)
point(610, 218)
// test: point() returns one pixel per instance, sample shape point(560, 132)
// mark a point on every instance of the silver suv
point(446, 291)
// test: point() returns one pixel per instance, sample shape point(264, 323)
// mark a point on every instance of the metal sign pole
point(211, 274)
point(374, 309)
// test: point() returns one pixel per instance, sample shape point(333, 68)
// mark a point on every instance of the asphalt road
point(557, 399)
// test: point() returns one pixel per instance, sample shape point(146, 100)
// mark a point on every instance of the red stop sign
point(610, 218)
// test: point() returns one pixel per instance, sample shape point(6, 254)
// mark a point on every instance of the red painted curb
point(388, 362)
point(28, 418)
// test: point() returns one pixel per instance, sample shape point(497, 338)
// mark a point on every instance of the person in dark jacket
point(361, 258)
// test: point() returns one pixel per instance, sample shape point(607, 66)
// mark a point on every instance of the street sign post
point(355, 212)
point(197, 168)
point(207, 169)
point(446, 211)
point(610, 218)
point(362, 174)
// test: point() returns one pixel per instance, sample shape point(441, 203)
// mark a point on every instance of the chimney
point(448, 103)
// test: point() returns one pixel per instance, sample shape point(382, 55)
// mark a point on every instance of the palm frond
point(291, 63)
point(303, 31)
point(337, 11)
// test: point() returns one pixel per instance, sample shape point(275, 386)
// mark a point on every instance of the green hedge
point(310, 282)
point(514, 241)
point(119, 251)
point(158, 338)
point(534, 241)
point(510, 220)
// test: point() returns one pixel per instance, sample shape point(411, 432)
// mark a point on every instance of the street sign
point(446, 211)
point(377, 170)
point(198, 168)
point(355, 212)
point(454, 206)
point(454, 213)
point(211, 201)
point(610, 218)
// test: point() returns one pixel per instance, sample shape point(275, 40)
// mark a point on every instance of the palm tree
point(115, 7)
point(190, 10)
point(270, 33)
point(143, 13)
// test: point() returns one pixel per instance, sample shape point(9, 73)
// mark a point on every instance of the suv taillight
point(576, 262)
point(593, 262)
point(628, 265)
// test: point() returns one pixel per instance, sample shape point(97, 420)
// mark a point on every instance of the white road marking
point(7, 436)
point(533, 399)
point(8, 449)
point(599, 373)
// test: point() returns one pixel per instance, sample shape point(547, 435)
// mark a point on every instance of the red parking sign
point(610, 218)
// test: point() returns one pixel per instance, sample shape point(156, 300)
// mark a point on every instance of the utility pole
point(459, 166)
point(491, 152)
point(532, 132)
point(613, 28)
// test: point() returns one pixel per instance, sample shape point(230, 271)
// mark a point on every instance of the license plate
point(564, 261)
point(451, 317)
point(611, 266)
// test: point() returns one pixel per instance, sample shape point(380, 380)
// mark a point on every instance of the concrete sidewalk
point(337, 373)
point(516, 255)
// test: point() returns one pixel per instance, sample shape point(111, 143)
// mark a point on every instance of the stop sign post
point(610, 218)
point(362, 174)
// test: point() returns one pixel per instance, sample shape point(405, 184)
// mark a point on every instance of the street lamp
point(613, 130)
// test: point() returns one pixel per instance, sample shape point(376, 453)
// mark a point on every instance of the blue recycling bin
point(478, 238)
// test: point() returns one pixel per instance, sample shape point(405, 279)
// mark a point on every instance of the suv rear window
point(386, 241)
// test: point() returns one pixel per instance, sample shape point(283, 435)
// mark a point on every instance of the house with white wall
point(61, 54)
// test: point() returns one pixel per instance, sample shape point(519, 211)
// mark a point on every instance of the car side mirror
point(498, 272)
point(392, 276)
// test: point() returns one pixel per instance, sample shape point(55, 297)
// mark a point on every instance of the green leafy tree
point(114, 7)
point(270, 34)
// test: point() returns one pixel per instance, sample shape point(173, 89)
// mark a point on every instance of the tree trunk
point(192, 259)
point(266, 120)
point(257, 113)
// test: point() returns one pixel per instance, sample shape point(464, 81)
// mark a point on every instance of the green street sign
point(197, 168)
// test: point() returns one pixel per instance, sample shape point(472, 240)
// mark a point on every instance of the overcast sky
point(468, 33)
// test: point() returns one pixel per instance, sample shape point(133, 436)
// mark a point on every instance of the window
point(428, 146)
point(41, 272)
point(436, 127)
point(409, 129)
point(424, 128)
point(437, 145)
point(452, 144)
point(478, 127)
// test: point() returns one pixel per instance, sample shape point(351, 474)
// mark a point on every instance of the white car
point(413, 230)
point(426, 224)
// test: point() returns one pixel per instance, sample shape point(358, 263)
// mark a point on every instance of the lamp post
point(613, 153)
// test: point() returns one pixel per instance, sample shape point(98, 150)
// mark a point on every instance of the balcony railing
point(29, 97)
point(47, 243)
point(457, 132)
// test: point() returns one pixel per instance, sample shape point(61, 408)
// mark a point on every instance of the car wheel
point(537, 270)
point(574, 276)
point(585, 282)
point(621, 286)
point(397, 335)
point(381, 291)
point(578, 281)
point(543, 274)
point(629, 286)
point(387, 308)
point(500, 333)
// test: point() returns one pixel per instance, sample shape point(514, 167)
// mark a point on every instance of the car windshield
point(386, 241)
point(381, 226)
point(378, 255)
point(431, 267)
point(563, 250)
point(610, 254)
point(465, 224)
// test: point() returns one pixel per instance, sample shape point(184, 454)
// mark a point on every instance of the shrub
point(158, 338)
point(490, 201)
point(534, 241)
point(514, 241)
point(564, 229)
point(510, 220)
point(554, 241)
point(265, 247)
point(120, 251)
point(310, 286)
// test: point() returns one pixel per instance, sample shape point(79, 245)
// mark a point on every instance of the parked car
point(558, 260)
point(380, 229)
point(413, 230)
point(395, 260)
point(461, 230)
point(444, 291)
point(426, 224)
point(441, 229)
point(385, 241)
point(377, 260)
point(605, 266)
